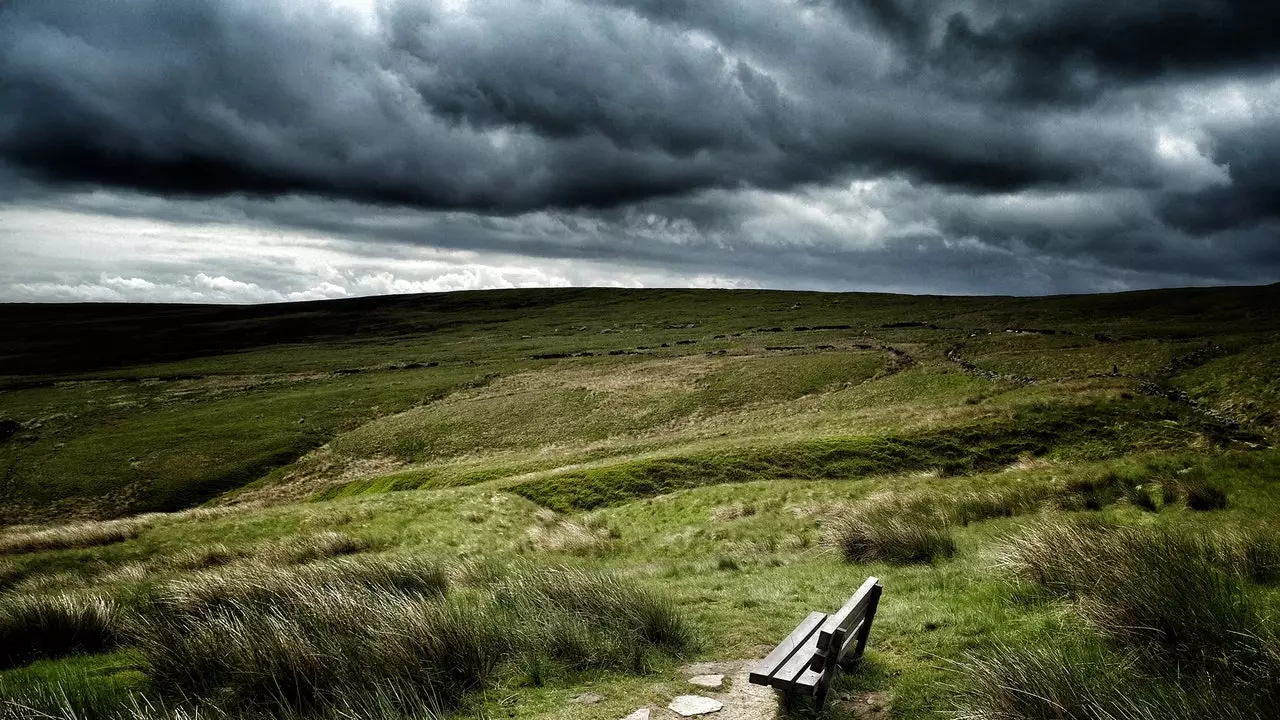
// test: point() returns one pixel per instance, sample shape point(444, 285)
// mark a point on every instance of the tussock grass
point(297, 639)
point(583, 618)
point(555, 533)
point(381, 635)
point(893, 533)
point(732, 511)
point(1181, 598)
point(11, 573)
point(1075, 681)
point(994, 503)
point(204, 558)
point(1202, 497)
point(49, 626)
point(79, 535)
point(309, 649)
point(309, 548)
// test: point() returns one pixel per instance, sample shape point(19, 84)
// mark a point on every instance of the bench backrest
point(847, 627)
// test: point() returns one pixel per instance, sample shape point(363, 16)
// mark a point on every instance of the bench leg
point(829, 666)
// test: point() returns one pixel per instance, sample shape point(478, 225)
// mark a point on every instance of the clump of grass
point(79, 535)
point(384, 573)
point(1093, 492)
point(1042, 683)
point(292, 640)
point(732, 511)
point(67, 694)
point(309, 548)
point(582, 618)
point(49, 626)
point(308, 649)
point(265, 586)
point(994, 503)
point(1140, 497)
point(1179, 597)
point(555, 533)
point(1078, 681)
point(372, 636)
point(11, 573)
point(1202, 497)
point(887, 532)
point(204, 558)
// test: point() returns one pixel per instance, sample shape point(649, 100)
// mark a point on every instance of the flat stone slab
point(711, 682)
point(690, 705)
point(641, 714)
point(588, 698)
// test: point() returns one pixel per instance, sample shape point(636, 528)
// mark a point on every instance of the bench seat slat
point(763, 672)
point(785, 677)
point(808, 682)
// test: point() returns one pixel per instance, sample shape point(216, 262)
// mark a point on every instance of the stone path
point(716, 691)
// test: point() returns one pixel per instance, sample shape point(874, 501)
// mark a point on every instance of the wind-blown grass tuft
point(48, 626)
point(584, 618)
point(380, 634)
point(79, 535)
point(886, 532)
point(554, 533)
point(309, 548)
point(1180, 597)
point(1074, 681)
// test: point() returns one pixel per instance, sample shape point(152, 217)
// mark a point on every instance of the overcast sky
point(267, 150)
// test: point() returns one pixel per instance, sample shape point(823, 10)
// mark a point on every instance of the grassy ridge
point(1091, 432)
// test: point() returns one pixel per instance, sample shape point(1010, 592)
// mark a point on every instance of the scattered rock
point(641, 714)
point(588, 698)
point(711, 682)
point(691, 705)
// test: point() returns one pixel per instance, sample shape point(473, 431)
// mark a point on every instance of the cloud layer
point(973, 146)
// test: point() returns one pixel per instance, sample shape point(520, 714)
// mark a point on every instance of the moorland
point(495, 504)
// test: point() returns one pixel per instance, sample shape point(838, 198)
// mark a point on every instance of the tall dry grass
point(49, 626)
point(553, 532)
point(78, 535)
point(1078, 681)
point(897, 529)
point(385, 634)
point(1181, 598)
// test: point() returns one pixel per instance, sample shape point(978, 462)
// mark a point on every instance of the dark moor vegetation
point(486, 504)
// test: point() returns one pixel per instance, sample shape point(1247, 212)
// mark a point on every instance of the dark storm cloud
point(525, 105)
point(1029, 146)
point(1042, 50)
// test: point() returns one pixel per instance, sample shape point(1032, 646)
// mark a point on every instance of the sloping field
point(586, 490)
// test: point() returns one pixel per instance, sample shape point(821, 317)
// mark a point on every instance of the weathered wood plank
point(808, 682)
point(764, 670)
point(864, 630)
point(848, 615)
point(784, 678)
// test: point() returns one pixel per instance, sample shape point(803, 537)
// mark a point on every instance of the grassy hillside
point(730, 459)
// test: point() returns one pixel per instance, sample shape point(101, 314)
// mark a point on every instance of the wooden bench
point(805, 662)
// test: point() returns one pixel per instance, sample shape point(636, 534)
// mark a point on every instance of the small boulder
point(588, 698)
point(691, 705)
point(711, 682)
point(641, 714)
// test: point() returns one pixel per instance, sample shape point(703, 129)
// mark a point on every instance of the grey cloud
point(515, 106)
point(1029, 147)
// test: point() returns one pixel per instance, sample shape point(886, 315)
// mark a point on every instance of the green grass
point(1092, 430)
point(684, 487)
